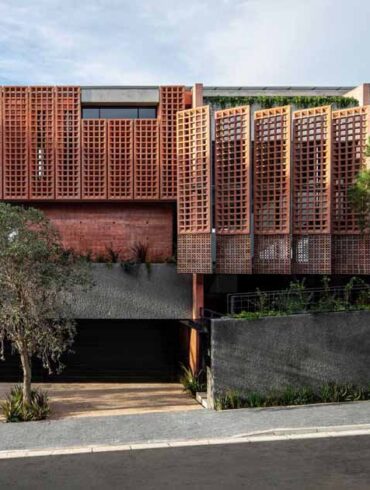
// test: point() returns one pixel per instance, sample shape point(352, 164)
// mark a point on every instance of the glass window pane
point(119, 112)
point(90, 113)
point(147, 112)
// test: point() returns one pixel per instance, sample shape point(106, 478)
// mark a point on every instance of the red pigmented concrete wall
point(95, 228)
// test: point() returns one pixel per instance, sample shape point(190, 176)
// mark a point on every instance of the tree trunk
point(26, 366)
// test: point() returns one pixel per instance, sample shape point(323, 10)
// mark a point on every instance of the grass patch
point(327, 393)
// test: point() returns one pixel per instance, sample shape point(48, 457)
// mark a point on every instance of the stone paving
point(103, 399)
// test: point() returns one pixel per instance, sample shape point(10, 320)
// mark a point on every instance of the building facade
point(222, 180)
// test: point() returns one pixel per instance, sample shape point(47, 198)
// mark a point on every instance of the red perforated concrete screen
point(94, 159)
point(232, 183)
point(67, 142)
point(146, 162)
point(351, 249)
point(120, 159)
point(311, 191)
point(194, 191)
point(41, 143)
point(171, 101)
point(15, 142)
point(272, 161)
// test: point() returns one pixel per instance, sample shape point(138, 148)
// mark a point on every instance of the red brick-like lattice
point(42, 143)
point(120, 159)
point(272, 129)
point(232, 143)
point(194, 191)
point(350, 130)
point(67, 142)
point(15, 142)
point(146, 164)
point(351, 248)
point(171, 101)
point(311, 191)
point(94, 159)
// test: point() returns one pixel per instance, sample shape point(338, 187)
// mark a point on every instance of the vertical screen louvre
point(194, 191)
point(146, 154)
point(15, 142)
point(67, 141)
point(42, 139)
point(120, 159)
point(232, 144)
point(94, 159)
point(311, 191)
point(171, 101)
point(272, 145)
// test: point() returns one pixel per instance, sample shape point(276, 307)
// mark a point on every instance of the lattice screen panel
point(312, 254)
point(41, 141)
point(233, 253)
point(194, 191)
point(272, 144)
point(94, 159)
point(272, 254)
point(194, 253)
point(350, 130)
point(120, 159)
point(232, 182)
point(146, 183)
point(171, 101)
point(67, 141)
point(351, 254)
point(311, 190)
point(15, 142)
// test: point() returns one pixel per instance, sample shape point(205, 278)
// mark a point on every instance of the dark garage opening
point(116, 350)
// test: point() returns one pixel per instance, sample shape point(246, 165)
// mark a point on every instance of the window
point(120, 112)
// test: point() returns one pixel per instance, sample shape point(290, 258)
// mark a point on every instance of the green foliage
point(359, 196)
point(297, 299)
point(192, 382)
point(327, 393)
point(15, 410)
point(37, 280)
point(266, 102)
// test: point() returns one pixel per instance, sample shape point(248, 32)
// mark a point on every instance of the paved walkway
point(107, 399)
point(180, 426)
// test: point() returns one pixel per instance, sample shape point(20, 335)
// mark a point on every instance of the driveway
point(102, 399)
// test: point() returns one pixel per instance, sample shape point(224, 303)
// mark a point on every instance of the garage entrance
point(117, 351)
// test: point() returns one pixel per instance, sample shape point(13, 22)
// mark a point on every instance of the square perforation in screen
point(232, 143)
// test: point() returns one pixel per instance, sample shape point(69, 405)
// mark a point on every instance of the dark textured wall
point(142, 293)
point(299, 350)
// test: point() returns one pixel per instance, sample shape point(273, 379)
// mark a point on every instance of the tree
point(359, 195)
point(36, 275)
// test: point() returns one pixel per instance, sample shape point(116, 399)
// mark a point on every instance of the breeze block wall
point(194, 252)
point(351, 246)
point(232, 183)
point(272, 197)
point(312, 191)
point(299, 351)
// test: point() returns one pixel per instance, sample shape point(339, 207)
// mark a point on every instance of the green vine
point(266, 102)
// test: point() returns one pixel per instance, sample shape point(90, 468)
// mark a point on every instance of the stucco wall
point(299, 350)
point(158, 293)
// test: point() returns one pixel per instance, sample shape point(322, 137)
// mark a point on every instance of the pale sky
point(217, 42)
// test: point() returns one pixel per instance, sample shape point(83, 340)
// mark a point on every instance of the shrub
point(192, 382)
point(328, 393)
point(15, 410)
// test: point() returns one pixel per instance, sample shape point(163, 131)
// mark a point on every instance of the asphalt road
point(331, 463)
